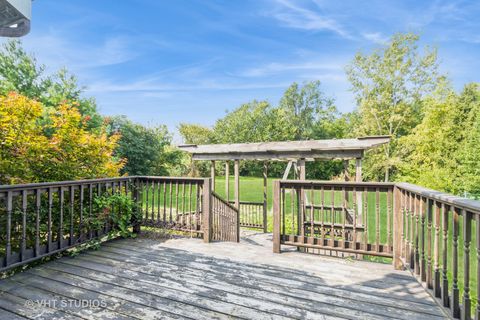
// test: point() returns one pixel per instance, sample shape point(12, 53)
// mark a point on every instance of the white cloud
point(278, 68)
point(375, 37)
point(298, 17)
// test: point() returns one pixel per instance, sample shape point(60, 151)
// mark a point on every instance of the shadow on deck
point(186, 278)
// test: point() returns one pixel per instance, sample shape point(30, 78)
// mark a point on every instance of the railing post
point(276, 216)
point(207, 211)
point(397, 229)
point(138, 206)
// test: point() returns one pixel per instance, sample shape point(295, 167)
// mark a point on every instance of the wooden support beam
point(227, 181)
point(212, 174)
point(265, 168)
point(287, 170)
point(345, 171)
point(358, 170)
point(301, 169)
point(206, 211)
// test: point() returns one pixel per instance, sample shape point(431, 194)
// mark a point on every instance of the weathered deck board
point(186, 278)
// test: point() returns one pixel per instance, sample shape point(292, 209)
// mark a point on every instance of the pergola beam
point(280, 156)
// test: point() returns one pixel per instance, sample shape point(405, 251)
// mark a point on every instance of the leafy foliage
point(443, 151)
point(118, 210)
point(69, 152)
point(146, 150)
point(389, 85)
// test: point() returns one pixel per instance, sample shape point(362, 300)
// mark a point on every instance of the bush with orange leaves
point(68, 152)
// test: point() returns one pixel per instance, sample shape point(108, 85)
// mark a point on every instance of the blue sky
point(166, 62)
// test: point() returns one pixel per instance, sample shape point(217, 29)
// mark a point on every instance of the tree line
point(400, 92)
point(50, 131)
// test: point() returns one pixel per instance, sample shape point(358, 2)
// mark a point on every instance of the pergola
point(295, 152)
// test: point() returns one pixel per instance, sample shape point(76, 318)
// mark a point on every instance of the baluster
point(429, 278)
point(72, 199)
point(49, 221)
point(389, 218)
point(423, 275)
point(445, 296)
point(82, 199)
point(176, 201)
point(455, 290)
point(377, 220)
point(165, 201)
point(467, 234)
point(354, 239)
point(171, 200)
point(322, 212)
point(332, 211)
point(405, 236)
point(183, 203)
point(477, 235)
point(416, 232)
point(90, 209)
point(344, 216)
point(8, 247)
point(293, 211)
point(147, 203)
point(365, 218)
point(23, 246)
point(312, 215)
point(282, 202)
point(38, 203)
point(190, 208)
point(153, 202)
point(436, 252)
point(159, 202)
point(60, 228)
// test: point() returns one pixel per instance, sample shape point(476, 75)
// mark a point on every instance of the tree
point(21, 73)
point(389, 85)
point(195, 134)
point(307, 110)
point(70, 151)
point(443, 151)
point(141, 147)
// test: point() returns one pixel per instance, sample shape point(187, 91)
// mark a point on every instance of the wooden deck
point(186, 278)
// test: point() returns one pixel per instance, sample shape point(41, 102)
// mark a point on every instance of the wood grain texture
point(185, 278)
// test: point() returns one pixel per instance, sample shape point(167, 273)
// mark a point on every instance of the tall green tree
point(389, 85)
point(144, 148)
point(443, 151)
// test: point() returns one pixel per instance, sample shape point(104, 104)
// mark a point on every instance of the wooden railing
point(429, 232)
point(42, 219)
point(435, 240)
point(252, 214)
point(173, 203)
point(225, 220)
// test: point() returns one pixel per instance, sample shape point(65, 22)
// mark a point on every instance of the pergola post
point(227, 181)
point(358, 170)
point(212, 174)
point(265, 168)
point(301, 169)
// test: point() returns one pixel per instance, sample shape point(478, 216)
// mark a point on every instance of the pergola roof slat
point(286, 150)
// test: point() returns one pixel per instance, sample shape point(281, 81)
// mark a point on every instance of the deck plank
point(187, 279)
